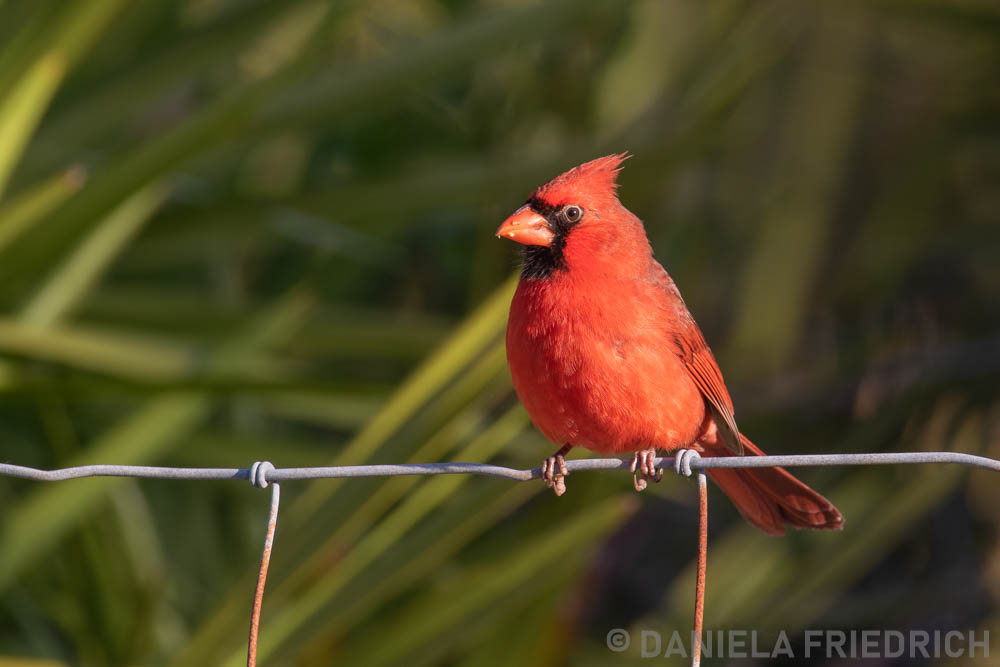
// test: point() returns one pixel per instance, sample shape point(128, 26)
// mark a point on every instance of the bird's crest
point(597, 178)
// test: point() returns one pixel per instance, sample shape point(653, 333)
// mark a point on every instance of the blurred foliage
point(235, 230)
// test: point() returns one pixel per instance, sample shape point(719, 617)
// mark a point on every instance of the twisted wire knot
point(682, 461)
point(258, 474)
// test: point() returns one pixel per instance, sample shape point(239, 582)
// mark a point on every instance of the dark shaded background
point(233, 231)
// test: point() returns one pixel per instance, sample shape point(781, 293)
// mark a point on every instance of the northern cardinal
point(605, 355)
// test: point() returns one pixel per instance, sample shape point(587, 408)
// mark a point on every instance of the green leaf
point(441, 611)
point(49, 511)
point(25, 210)
point(22, 107)
point(73, 279)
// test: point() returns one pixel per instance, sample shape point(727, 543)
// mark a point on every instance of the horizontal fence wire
point(397, 469)
point(262, 473)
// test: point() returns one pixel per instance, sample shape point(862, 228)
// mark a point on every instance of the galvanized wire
point(458, 468)
point(260, 474)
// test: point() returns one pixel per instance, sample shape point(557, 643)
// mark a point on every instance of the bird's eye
point(572, 213)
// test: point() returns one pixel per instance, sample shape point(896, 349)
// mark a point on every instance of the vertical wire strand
point(265, 560)
point(699, 584)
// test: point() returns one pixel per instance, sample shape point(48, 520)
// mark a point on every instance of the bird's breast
point(593, 367)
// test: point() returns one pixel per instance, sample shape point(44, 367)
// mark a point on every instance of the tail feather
point(771, 498)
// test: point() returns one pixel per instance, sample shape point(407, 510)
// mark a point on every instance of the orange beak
point(526, 227)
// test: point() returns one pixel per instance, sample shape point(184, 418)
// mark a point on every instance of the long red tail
point(771, 498)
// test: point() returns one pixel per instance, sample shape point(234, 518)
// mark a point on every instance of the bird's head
point(583, 198)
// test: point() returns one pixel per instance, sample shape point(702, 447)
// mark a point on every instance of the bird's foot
point(644, 468)
point(554, 471)
point(682, 461)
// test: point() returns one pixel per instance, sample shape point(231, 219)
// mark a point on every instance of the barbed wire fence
point(685, 463)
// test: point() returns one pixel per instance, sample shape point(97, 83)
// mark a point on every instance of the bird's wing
point(690, 346)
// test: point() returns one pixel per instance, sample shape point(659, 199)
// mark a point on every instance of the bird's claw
point(554, 473)
point(644, 468)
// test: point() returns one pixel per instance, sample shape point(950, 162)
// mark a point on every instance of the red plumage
point(605, 355)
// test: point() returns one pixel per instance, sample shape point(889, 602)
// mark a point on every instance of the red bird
point(605, 355)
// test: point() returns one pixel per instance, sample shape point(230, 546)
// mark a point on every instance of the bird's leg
point(644, 468)
point(554, 470)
